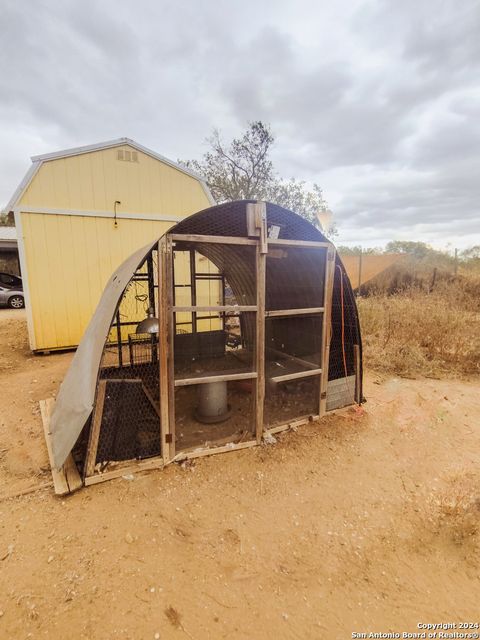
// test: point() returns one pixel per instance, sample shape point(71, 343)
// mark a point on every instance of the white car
point(12, 298)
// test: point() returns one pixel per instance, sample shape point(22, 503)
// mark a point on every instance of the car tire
point(16, 302)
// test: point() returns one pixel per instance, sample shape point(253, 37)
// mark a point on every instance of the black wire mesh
point(289, 401)
point(130, 426)
point(213, 343)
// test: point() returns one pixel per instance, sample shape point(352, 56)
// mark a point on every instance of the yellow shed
point(79, 213)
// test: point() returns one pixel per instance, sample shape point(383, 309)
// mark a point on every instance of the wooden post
point(356, 361)
point(326, 326)
point(119, 339)
point(92, 447)
point(171, 346)
point(163, 322)
point(260, 343)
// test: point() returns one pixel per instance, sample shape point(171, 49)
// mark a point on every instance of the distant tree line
point(419, 251)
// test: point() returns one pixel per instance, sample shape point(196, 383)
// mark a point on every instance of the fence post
point(360, 258)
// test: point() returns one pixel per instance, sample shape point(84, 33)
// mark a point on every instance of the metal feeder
point(212, 403)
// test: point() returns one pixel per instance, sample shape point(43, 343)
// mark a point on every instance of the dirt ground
point(365, 522)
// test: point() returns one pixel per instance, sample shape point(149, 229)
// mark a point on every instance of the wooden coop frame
point(260, 242)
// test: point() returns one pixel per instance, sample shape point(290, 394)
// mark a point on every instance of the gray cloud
point(377, 101)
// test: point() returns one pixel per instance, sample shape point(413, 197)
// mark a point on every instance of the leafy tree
point(242, 170)
point(238, 171)
point(472, 253)
point(357, 250)
point(415, 249)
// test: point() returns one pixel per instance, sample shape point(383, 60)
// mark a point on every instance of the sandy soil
point(366, 522)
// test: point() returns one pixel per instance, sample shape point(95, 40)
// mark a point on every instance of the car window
point(7, 279)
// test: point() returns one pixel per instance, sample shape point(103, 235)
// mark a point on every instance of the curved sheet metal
point(77, 393)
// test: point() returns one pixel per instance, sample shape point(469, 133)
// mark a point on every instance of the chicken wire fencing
point(127, 403)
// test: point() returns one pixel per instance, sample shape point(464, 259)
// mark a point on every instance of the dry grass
point(455, 511)
point(419, 333)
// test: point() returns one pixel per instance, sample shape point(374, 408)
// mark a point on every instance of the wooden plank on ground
point(67, 479)
point(134, 466)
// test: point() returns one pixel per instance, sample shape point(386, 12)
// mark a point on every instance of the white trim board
point(100, 214)
point(26, 288)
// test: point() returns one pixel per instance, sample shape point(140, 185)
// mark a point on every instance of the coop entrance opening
point(214, 324)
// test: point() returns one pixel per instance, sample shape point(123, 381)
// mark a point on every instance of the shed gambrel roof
point(37, 161)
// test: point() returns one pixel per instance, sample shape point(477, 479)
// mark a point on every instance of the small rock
point(128, 538)
point(157, 636)
point(268, 438)
point(50, 558)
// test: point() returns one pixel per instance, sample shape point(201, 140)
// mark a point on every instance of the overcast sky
point(377, 101)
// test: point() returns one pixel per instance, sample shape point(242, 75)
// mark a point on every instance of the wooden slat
point(151, 399)
point(224, 377)
point(219, 308)
point(298, 243)
point(295, 376)
point(298, 422)
point(287, 356)
point(327, 324)
point(136, 466)
point(200, 453)
point(67, 479)
point(293, 312)
point(163, 346)
point(178, 237)
point(260, 345)
point(171, 341)
point(95, 429)
point(261, 223)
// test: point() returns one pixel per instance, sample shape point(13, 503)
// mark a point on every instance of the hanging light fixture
point(149, 324)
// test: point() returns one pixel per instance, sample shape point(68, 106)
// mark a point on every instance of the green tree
point(357, 250)
point(472, 253)
point(242, 170)
point(416, 249)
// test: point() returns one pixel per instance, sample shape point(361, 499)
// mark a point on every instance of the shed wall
point(69, 261)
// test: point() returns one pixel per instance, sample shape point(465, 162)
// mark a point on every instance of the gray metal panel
point(77, 393)
point(340, 393)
